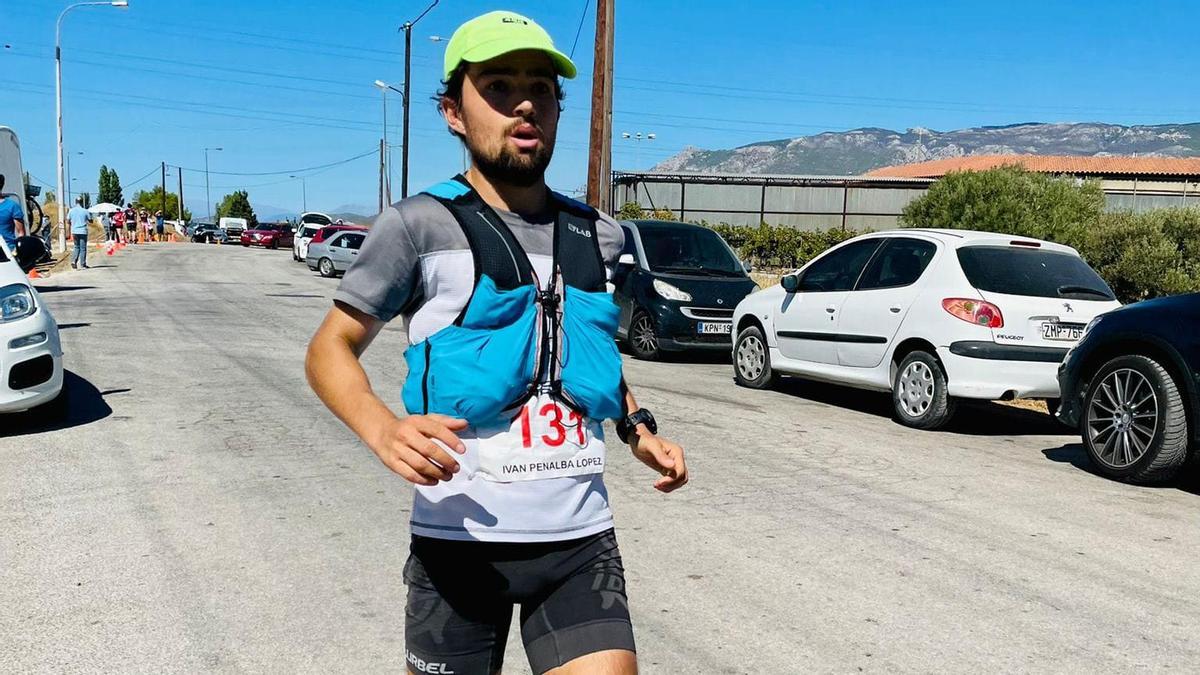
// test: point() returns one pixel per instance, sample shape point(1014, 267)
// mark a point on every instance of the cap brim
point(486, 52)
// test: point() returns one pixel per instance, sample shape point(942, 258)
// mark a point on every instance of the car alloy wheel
point(1122, 419)
point(916, 388)
point(326, 267)
point(642, 338)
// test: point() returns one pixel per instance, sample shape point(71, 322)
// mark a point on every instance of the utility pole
point(180, 170)
point(164, 189)
point(407, 28)
point(599, 192)
point(382, 176)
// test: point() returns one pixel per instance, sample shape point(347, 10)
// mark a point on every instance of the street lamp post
point(387, 151)
point(407, 28)
point(303, 192)
point(638, 137)
point(207, 194)
point(62, 214)
point(69, 179)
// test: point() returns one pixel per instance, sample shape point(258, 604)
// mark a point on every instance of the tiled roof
point(1091, 166)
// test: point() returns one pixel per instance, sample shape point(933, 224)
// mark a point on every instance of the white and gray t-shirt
point(416, 264)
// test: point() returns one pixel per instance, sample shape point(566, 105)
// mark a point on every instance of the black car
point(1132, 387)
point(677, 285)
point(207, 233)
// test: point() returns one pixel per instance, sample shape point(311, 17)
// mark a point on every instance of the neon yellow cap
point(496, 33)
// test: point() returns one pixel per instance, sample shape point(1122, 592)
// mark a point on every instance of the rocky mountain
point(860, 150)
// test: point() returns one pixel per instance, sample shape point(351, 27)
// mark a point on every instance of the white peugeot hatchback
point(930, 315)
point(31, 362)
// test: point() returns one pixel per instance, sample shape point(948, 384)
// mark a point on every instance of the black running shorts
point(461, 596)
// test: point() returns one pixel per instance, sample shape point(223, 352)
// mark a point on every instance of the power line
point(148, 174)
point(582, 17)
point(275, 173)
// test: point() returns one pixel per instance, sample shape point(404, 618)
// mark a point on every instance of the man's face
point(509, 116)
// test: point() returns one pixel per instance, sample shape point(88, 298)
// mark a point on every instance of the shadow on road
point(61, 289)
point(1075, 455)
point(84, 404)
point(973, 418)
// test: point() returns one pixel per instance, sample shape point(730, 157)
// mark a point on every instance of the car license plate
point(1065, 332)
point(714, 329)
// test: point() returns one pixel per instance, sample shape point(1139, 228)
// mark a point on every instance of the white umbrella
point(105, 207)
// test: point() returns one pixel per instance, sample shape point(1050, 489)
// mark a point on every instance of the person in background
point(46, 234)
point(106, 223)
point(119, 225)
point(144, 223)
point(12, 217)
point(130, 225)
point(158, 226)
point(79, 219)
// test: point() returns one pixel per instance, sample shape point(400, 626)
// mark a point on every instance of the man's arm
point(406, 446)
point(19, 227)
point(657, 453)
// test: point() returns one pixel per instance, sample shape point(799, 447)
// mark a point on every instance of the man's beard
point(512, 167)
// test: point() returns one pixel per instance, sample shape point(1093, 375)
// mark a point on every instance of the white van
point(234, 227)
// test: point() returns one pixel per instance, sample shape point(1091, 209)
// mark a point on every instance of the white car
point(930, 315)
point(31, 365)
point(306, 229)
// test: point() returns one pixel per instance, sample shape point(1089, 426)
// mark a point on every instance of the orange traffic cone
point(33, 274)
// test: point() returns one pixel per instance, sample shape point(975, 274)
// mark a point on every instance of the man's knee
point(608, 662)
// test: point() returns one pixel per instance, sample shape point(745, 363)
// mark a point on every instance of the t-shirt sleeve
point(386, 276)
point(611, 237)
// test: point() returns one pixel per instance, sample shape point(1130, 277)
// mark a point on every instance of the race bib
point(545, 439)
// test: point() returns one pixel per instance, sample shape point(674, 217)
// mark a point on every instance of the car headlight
point(1090, 325)
point(669, 292)
point(16, 302)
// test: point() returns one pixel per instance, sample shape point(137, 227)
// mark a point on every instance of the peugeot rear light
point(976, 312)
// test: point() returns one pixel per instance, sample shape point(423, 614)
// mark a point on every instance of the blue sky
point(288, 85)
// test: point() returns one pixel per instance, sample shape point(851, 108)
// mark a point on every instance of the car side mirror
point(28, 251)
point(627, 259)
point(790, 283)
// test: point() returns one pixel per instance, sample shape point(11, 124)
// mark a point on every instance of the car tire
point(920, 397)
point(1131, 436)
point(752, 360)
point(1052, 405)
point(325, 267)
point(642, 340)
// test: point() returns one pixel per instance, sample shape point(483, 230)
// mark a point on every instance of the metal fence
point(803, 202)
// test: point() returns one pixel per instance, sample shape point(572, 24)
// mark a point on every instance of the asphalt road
point(200, 510)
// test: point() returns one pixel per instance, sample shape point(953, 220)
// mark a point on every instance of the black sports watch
point(626, 426)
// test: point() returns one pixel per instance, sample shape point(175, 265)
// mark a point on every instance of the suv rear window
point(1032, 272)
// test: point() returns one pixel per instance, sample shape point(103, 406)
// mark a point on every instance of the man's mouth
point(526, 136)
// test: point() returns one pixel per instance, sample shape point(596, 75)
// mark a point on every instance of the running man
point(511, 371)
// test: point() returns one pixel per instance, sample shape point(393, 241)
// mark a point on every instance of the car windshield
point(688, 249)
point(1032, 272)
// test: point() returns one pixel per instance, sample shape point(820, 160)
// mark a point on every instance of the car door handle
point(831, 309)
point(895, 309)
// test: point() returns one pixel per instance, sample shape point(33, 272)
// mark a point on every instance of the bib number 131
point(550, 419)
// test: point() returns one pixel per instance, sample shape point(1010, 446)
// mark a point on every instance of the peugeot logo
point(1068, 307)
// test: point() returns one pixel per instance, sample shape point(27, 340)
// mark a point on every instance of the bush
point(778, 246)
point(1146, 255)
point(1009, 200)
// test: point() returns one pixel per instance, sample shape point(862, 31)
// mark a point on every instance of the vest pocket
point(591, 364)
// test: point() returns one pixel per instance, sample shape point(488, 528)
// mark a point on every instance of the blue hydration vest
point(512, 336)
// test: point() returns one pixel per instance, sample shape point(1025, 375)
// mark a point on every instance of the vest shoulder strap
point(577, 246)
point(494, 249)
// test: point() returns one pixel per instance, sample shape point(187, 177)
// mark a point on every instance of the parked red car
point(270, 235)
point(327, 231)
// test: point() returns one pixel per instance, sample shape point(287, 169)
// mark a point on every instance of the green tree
point(110, 187)
point(1146, 255)
point(631, 211)
point(663, 214)
point(1010, 200)
point(152, 200)
point(87, 199)
point(237, 205)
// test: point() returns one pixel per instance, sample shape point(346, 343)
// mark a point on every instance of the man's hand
point(661, 455)
point(407, 447)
